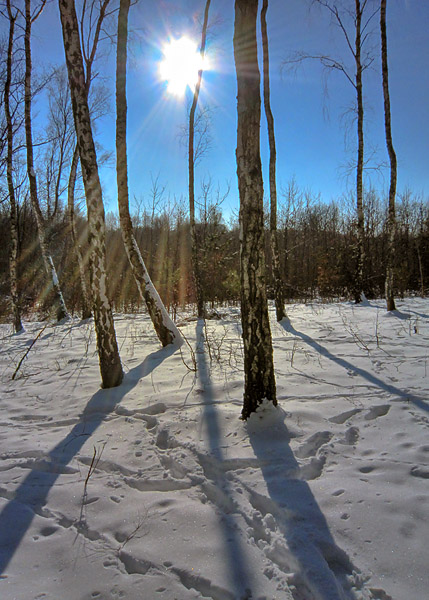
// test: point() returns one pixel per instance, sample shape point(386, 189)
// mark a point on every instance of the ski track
point(174, 455)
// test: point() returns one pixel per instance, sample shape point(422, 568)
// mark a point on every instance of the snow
point(324, 497)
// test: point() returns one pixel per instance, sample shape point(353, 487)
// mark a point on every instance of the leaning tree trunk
point(110, 363)
point(166, 330)
point(278, 284)
point(13, 265)
point(191, 177)
point(391, 221)
point(258, 351)
point(59, 303)
point(360, 248)
point(86, 303)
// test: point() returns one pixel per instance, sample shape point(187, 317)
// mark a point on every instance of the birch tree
point(278, 284)
point(91, 33)
point(259, 376)
point(13, 256)
point(164, 326)
point(361, 17)
point(59, 304)
point(391, 220)
point(191, 175)
point(110, 363)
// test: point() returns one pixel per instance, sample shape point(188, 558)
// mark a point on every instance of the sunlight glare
point(180, 65)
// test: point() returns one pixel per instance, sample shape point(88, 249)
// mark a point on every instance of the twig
point(26, 353)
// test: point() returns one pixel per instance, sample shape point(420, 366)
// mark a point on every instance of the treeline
point(317, 244)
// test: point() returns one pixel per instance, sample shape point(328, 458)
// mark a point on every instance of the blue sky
point(310, 124)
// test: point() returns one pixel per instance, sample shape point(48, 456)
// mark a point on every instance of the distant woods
point(316, 243)
point(57, 258)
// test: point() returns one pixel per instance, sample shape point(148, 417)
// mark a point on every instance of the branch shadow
point(240, 573)
point(31, 495)
point(387, 387)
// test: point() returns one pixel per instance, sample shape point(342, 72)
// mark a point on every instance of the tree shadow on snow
point(387, 387)
point(240, 573)
point(30, 497)
point(317, 567)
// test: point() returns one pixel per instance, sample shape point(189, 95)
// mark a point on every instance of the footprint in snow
point(377, 411)
point(350, 437)
point(421, 472)
point(312, 445)
point(345, 416)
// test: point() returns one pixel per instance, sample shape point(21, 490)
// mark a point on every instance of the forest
point(315, 242)
point(323, 247)
point(219, 393)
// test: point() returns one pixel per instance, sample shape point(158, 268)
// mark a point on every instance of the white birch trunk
point(258, 352)
point(166, 331)
point(110, 363)
point(59, 304)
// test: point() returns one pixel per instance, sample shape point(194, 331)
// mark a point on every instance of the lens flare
point(180, 65)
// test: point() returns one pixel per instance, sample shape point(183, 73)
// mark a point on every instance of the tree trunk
point(191, 183)
point(110, 363)
point(164, 326)
point(258, 352)
point(13, 268)
point(278, 285)
point(59, 303)
point(360, 249)
point(391, 220)
point(86, 303)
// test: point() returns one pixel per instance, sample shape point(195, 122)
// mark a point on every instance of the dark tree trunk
point(86, 303)
point(191, 182)
point(278, 284)
point(13, 268)
point(258, 352)
point(59, 303)
point(391, 220)
point(110, 363)
point(164, 327)
point(360, 248)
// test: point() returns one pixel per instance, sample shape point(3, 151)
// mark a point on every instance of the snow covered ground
point(156, 489)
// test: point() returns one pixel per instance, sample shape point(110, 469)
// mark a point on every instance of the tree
point(391, 220)
point(13, 261)
point(166, 330)
point(278, 285)
point(360, 158)
point(362, 60)
point(258, 352)
point(191, 176)
point(59, 304)
point(110, 363)
point(89, 49)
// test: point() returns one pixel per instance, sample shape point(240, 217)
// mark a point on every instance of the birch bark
point(110, 363)
point(166, 330)
point(258, 352)
point(59, 304)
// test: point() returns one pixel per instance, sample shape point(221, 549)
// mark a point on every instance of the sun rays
point(180, 65)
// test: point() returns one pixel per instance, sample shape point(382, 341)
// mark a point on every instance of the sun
point(180, 65)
